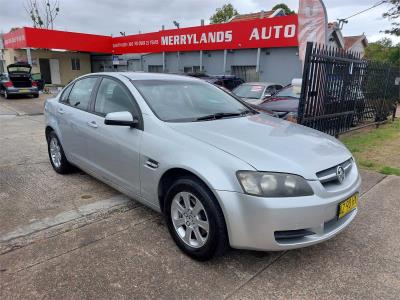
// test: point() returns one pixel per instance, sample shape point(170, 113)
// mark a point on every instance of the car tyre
point(57, 156)
point(6, 95)
point(35, 95)
point(188, 222)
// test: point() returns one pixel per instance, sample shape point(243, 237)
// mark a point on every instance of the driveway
point(24, 105)
point(72, 237)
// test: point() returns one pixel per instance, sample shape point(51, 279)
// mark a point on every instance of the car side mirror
point(121, 118)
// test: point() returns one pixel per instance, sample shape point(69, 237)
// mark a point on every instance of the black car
point(18, 81)
point(228, 82)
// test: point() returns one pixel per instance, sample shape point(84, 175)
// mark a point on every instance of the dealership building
point(260, 46)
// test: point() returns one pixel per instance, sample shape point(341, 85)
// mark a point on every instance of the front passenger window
point(81, 92)
point(112, 97)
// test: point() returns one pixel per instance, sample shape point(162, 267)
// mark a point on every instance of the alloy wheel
point(189, 219)
point(55, 152)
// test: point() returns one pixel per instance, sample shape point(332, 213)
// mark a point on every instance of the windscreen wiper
point(219, 115)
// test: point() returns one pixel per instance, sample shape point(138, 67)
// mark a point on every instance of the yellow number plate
point(347, 206)
point(24, 90)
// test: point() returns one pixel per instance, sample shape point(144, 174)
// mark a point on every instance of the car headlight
point(266, 184)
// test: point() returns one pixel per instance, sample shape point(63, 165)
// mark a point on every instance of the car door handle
point(61, 111)
point(92, 124)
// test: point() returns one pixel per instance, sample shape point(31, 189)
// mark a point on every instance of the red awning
point(54, 39)
point(257, 33)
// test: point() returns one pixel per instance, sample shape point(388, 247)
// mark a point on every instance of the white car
point(256, 92)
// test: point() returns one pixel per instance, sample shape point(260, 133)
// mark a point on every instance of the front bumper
point(253, 221)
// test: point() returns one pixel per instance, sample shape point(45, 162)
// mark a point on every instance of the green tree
point(223, 14)
point(384, 51)
point(285, 8)
point(393, 14)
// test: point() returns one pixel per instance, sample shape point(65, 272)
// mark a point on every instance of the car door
point(73, 117)
point(115, 150)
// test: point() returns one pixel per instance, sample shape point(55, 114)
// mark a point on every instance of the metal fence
point(340, 90)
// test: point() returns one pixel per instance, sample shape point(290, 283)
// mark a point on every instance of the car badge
point(340, 174)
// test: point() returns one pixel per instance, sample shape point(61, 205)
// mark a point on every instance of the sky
point(113, 16)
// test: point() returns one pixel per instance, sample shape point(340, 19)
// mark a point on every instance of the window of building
point(193, 69)
point(76, 64)
point(155, 68)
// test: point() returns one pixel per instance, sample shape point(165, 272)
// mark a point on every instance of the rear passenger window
point(112, 97)
point(65, 94)
point(81, 92)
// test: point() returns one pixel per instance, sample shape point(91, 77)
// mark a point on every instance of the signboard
point(259, 33)
point(15, 39)
point(115, 60)
point(313, 24)
point(54, 39)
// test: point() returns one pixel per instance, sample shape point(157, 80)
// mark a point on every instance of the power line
point(345, 20)
point(360, 12)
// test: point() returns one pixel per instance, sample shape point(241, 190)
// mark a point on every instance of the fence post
point(304, 82)
point(380, 117)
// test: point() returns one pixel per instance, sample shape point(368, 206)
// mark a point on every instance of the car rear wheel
point(56, 154)
point(195, 220)
point(6, 95)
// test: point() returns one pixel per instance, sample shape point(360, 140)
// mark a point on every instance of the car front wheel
point(195, 220)
point(56, 154)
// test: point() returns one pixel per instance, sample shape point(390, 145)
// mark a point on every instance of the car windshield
point(290, 91)
point(251, 91)
point(186, 101)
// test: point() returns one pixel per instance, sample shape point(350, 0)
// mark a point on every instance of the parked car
point(221, 173)
point(229, 82)
point(256, 92)
point(18, 81)
point(37, 77)
point(284, 104)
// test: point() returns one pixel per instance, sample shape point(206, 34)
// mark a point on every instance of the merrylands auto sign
point(259, 33)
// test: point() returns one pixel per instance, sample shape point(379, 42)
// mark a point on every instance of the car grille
point(329, 175)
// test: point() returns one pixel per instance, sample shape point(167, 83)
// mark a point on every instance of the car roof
point(261, 83)
point(224, 76)
point(150, 76)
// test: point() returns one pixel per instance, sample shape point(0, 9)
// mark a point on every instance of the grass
point(376, 149)
point(390, 171)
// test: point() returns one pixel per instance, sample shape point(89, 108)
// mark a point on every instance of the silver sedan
point(221, 173)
